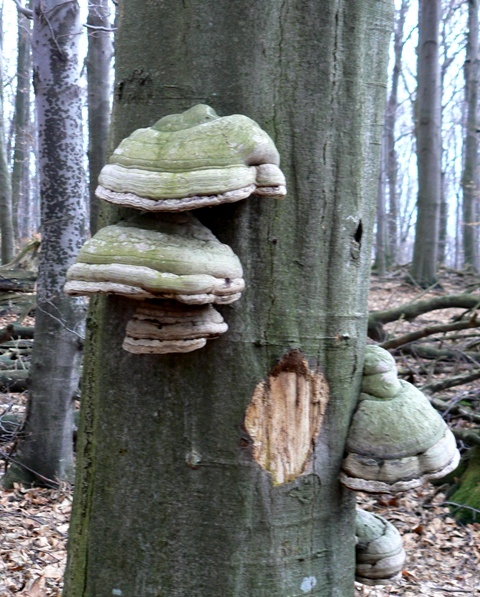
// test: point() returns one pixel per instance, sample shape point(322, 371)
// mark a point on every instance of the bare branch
point(24, 11)
point(100, 28)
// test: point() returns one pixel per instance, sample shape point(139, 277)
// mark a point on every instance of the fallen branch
point(469, 436)
point(409, 312)
point(430, 330)
point(450, 382)
point(455, 409)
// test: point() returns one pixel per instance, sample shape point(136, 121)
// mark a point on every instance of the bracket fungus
point(147, 257)
point(397, 440)
point(191, 160)
point(379, 551)
point(166, 327)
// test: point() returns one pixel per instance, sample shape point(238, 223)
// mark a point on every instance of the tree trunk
point(390, 120)
point(381, 245)
point(470, 178)
point(170, 500)
point(99, 59)
point(425, 251)
point(46, 452)
point(23, 134)
point(6, 226)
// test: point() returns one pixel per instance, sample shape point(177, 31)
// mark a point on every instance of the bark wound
point(285, 416)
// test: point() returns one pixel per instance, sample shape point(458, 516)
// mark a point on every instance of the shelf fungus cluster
point(169, 262)
point(379, 553)
point(397, 440)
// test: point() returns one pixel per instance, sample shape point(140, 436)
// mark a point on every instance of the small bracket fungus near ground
point(379, 551)
point(397, 440)
point(190, 160)
point(285, 416)
point(167, 326)
point(147, 257)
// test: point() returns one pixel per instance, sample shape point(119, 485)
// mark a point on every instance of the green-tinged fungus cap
point(192, 160)
point(379, 552)
point(172, 257)
point(396, 440)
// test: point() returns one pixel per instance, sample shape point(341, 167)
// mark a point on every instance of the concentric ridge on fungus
point(172, 257)
point(162, 327)
point(192, 160)
point(397, 440)
point(379, 551)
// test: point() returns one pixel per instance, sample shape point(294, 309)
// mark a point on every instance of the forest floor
point(443, 558)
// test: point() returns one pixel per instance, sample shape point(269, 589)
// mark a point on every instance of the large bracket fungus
point(379, 551)
point(167, 326)
point(172, 257)
point(190, 160)
point(397, 440)
point(183, 162)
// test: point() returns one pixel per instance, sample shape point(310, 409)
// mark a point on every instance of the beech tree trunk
point(170, 499)
point(45, 456)
point(470, 178)
point(99, 66)
point(425, 251)
point(6, 226)
point(23, 132)
point(390, 120)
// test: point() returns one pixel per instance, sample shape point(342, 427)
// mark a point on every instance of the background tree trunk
point(23, 128)
point(6, 226)
point(390, 120)
point(169, 500)
point(99, 64)
point(470, 178)
point(425, 251)
point(46, 453)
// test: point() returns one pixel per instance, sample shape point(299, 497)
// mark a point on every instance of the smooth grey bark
point(99, 58)
point(390, 120)
point(23, 132)
point(470, 177)
point(45, 456)
point(7, 243)
point(428, 108)
point(381, 244)
point(168, 499)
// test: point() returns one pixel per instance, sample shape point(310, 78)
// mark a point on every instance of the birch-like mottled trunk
point(169, 499)
point(425, 250)
point(46, 453)
point(99, 67)
point(470, 178)
point(23, 130)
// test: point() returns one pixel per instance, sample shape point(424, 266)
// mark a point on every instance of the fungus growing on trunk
point(379, 551)
point(166, 326)
point(147, 257)
point(397, 440)
point(190, 160)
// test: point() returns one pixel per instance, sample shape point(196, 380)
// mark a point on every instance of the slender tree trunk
point(470, 178)
point(169, 499)
point(99, 59)
point(6, 226)
point(390, 120)
point(46, 455)
point(425, 251)
point(23, 132)
point(381, 247)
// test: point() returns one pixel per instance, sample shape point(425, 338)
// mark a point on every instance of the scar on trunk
point(285, 416)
